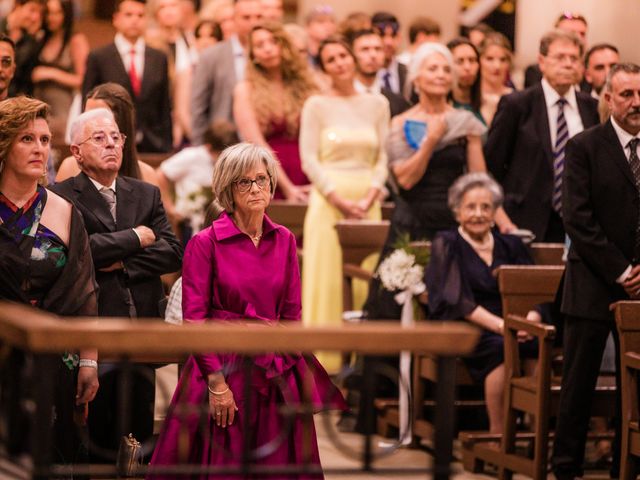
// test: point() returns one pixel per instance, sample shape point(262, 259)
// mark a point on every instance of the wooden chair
point(547, 253)
point(628, 322)
point(425, 367)
point(523, 287)
point(288, 214)
point(358, 239)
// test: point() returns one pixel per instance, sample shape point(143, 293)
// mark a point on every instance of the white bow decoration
point(406, 320)
point(400, 272)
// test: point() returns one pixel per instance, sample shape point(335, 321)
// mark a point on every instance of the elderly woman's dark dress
point(458, 281)
point(37, 268)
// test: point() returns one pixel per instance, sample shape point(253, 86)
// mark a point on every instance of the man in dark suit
point(525, 147)
point(132, 245)
point(601, 213)
point(367, 48)
point(393, 75)
point(597, 63)
point(142, 70)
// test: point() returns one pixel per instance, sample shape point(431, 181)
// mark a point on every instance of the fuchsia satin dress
point(226, 277)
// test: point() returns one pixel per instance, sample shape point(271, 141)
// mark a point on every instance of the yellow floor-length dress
point(342, 150)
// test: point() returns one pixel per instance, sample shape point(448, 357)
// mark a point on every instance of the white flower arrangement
point(193, 206)
point(403, 272)
point(399, 271)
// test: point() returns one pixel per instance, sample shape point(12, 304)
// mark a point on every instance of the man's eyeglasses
point(101, 139)
point(562, 58)
point(244, 184)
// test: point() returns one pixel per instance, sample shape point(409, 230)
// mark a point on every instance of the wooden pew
point(288, 214)
point(358, 239)
point(154, 159)
point(547, 253)
point(628, 322)
point(387, 210)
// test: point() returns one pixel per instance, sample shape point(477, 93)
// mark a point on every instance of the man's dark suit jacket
point(402, 76)
point(397, 103)
point(600, 212)
point(153, 106)
point(519, 154)
point(137, 203)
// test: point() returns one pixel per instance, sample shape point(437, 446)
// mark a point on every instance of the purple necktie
point(562, 136)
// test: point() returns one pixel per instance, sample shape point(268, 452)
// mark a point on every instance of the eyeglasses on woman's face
point(244, 184)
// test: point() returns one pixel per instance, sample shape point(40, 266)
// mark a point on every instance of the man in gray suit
point(219, 69)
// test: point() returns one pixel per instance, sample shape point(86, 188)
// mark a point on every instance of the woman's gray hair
point(470, 181)
point(423, 52)
point(233, 163)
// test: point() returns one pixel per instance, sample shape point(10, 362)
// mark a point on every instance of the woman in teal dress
point(45, 262)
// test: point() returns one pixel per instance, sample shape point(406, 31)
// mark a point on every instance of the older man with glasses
point(526, 142)
point(132, 245)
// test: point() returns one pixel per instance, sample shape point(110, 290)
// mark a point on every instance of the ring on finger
point(219, 413)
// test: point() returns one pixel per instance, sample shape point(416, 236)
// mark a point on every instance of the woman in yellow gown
point(342, 137)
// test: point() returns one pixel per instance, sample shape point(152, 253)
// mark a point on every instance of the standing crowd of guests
point(329, 114)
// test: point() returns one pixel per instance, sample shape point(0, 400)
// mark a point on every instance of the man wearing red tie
point(142, 70)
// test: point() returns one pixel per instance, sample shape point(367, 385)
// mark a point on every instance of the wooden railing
point(40, 334)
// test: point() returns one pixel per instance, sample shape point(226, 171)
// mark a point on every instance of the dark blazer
point(600, 211)
point(532, 75)
point(137, 203)
point(153, 106)
point(402, 76)
point(519, 154)
point(397, 103)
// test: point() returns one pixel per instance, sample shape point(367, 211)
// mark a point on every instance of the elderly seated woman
point(461, 282)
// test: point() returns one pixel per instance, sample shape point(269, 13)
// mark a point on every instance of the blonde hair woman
point(267, 104)
point(495, 62)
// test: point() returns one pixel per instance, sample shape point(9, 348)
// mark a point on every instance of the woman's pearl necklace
point(486, 244)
